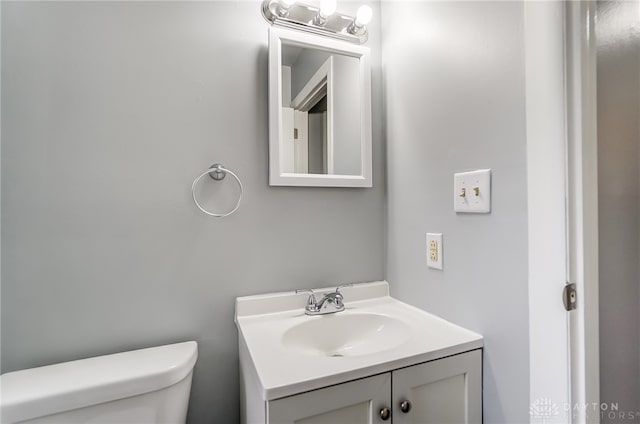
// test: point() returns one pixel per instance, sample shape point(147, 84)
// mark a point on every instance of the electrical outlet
point(434, 250)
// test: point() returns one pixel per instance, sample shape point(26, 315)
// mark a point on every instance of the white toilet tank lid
point(62, 387)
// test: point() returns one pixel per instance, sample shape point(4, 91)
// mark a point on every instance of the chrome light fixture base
point(304, 17)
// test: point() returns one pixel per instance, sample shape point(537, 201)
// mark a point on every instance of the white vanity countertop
point(263, 320)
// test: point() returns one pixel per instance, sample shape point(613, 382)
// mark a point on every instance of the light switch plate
point(434, 250)
point(472, 191)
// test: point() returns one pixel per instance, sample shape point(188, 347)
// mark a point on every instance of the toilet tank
point(141, 386)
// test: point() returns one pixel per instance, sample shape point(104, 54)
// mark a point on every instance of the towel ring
point(217, 172)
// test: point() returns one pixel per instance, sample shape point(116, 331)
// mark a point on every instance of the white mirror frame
point(276, 178)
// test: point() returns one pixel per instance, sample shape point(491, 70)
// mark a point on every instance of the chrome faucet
point(330, 303)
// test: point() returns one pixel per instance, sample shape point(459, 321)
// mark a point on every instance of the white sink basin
point(337, 335)
point(286, 352)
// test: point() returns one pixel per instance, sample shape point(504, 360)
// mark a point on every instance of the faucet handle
point(312, 297)
point(343, 285)
point(338, 296)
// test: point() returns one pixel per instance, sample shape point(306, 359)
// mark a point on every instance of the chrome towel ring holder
point(217, 172)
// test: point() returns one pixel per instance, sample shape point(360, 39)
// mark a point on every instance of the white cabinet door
point(356, 402)
point(446, 391)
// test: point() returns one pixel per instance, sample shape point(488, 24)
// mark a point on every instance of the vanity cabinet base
point(446, 391)
point(443, 391)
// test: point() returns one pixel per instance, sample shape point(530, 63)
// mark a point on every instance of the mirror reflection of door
point(321, 112)
point(311, 106)
point(317, 153)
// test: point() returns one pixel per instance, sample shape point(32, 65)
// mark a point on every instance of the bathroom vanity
point(379, 360)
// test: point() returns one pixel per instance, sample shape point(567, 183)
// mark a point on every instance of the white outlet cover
point(437, 237)
point(467, 183)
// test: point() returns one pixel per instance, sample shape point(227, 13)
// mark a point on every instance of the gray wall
point(110, 110)
point(317, 143)
point(455, 101)
point(347, 140)
point(618, 34)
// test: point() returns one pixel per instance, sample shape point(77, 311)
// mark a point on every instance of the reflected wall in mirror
point(320, 111)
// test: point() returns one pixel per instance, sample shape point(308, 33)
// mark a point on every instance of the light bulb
point(283, 7)
point(363, 16)
point(327, 7)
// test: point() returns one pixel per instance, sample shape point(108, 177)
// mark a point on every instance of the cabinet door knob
point(405, 406)
point(385, 413)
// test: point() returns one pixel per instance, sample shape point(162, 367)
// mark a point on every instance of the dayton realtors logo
point(610, 411)
point(543, 410)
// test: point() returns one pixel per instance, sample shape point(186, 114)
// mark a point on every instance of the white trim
point(288, 150)
point(0, 188)
point(327, 145)
point(545, 117)
point(582, 180)
point(328, 119)
point(277, 178)
point(301, 144)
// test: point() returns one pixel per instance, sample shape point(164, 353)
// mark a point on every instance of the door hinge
point(570, 297)
point(295, 133)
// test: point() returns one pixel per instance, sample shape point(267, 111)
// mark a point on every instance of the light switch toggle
point(463, 192)
point(476, 190)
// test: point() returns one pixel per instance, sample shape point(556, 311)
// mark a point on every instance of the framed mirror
point(319, 111)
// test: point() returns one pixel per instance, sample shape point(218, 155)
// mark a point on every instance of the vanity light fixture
point(323, 20)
